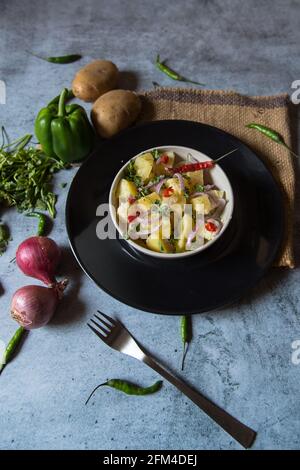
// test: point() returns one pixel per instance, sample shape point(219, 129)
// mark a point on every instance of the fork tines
point(102, 325)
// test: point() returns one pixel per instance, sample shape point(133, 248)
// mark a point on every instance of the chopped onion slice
point(151, 184)
point(191, 159)
point(219, 209)
point(191, 237)
point(157, 187)
point(197, 193)
point(181, 180)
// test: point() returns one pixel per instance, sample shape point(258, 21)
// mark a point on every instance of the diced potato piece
point(155, 242)
point(143, 166)
point(218, 193)
point(175, 202)
point(203, 202)
point(160, 168)
point(126, 189)
point(196, 177)
point(174, 183)
point(146, 202)
point(186, 228)
point(123, 212)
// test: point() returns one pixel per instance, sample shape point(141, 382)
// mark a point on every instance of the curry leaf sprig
point(130, 174)
point(271, 134)
point(25, 177)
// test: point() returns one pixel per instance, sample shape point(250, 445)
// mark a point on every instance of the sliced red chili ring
point(210, 227)
point(167, 192)
point(164, 159)
point(131, 218)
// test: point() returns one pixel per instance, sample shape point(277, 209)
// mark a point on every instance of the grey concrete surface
point(240, 356)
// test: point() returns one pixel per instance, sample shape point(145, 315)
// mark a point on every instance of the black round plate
point(206, 281)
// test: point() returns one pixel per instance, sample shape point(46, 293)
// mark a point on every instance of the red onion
point(38, 257)
point(208, 187)
point(191, 159)
point(191, 237)
point(34, 306)
point(181, 180)
point(198, 193)
point(157, 186)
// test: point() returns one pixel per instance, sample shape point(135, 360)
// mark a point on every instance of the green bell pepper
point(64, 131)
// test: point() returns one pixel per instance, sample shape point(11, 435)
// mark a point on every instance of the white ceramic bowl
point(216, 176)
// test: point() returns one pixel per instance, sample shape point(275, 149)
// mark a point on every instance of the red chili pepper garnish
point(167, 192)
point(164, 159)
point(131, 218)
point(131, 199)
point(194, 167)
point(210, 227)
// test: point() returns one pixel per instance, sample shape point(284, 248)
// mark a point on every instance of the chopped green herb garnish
point(130, 174)
point(144, 191)
point(199, 188)
point(155, 154)
point(25, 177)
point(156, 179)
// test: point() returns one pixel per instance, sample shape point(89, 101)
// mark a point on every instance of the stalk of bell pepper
point(64, 131)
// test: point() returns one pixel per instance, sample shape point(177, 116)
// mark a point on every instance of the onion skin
point(38, 257)
point(34, 306)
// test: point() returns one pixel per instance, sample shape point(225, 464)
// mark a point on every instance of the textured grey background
point(240, 356)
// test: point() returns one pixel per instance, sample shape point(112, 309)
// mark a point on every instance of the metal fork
point(115, 335)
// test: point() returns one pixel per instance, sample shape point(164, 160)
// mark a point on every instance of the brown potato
point(115, 111)
point(95, 79)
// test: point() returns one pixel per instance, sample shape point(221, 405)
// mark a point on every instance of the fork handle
point(239, 431)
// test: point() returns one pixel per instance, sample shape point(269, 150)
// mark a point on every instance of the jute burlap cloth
point(231, 111)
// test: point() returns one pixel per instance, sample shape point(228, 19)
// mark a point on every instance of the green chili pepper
point(11, 347)
point(172, 74)
point(64, 132)
point(42, 221)
point(128, 388)
point(271, 134)
point(185, 331)
point(63, 59)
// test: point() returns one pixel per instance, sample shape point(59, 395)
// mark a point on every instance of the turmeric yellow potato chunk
point(155, 242)
point(126, 189)
point(146, 202)
point(143, 166)
point(195, 177)
point(186, 228)
point(202, 204)
point(174, 183)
